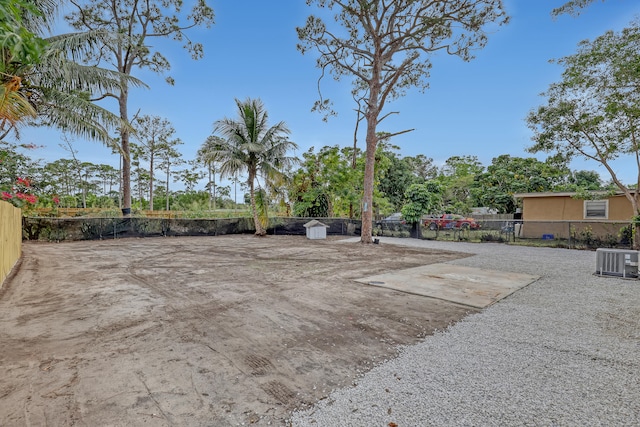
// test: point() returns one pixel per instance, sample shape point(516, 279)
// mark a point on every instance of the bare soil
point(200, 331)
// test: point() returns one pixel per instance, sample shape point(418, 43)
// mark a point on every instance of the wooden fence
point(10, 238)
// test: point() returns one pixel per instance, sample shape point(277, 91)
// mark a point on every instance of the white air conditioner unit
point(617, 262)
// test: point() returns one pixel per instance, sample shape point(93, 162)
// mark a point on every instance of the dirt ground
point(199, 331)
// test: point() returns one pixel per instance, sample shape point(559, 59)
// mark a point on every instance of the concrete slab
point(474, 287)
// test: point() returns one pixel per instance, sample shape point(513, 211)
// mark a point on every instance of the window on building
point(596, 209)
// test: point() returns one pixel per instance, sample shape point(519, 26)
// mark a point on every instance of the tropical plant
point(326, 184)
point(385, 47)
point(593, 112)
point(18, 45)
point(249, 145)
point(42, 78)
point(125, 27)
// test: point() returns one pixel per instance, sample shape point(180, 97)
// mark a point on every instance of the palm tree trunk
point(214, 189)
point(259, 230)
point(210, 193)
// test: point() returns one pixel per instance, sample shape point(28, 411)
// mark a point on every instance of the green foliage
point(584, 181)
point(262, 206)
point(625, 235)
point(385, 49)
point(491, 237)
point(593, 112)
point(249, 145)
point(457, 178)
point(326, 184)
point(122, 32)
point(572, 7)
point(395, 178)
point(18, 44)
point(508, 175)
point(421, 199)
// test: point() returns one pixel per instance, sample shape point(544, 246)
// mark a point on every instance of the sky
point(475, 108)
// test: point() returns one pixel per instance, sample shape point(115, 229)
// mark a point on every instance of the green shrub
point(490, 237)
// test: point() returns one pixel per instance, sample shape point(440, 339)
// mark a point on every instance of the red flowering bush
point(20, 195)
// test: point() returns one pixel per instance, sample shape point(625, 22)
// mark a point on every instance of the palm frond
point(39, 23)
point(69, 74)
point(79, 116)
point(14, 107)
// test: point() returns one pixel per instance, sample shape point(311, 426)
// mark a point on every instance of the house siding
point(561, 215)
point(566, 208)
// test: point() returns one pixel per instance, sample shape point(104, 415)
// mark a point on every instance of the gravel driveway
point(564, 351)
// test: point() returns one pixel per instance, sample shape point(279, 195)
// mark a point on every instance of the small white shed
point(316, 230)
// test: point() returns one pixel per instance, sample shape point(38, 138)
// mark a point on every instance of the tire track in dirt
point(200, 331)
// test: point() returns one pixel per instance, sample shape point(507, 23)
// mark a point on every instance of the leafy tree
point(41, 79)
point(395, 178)
point(190, 176)
point(169, 157)
point(457, 177)
point(108, 176)
point(594, 112)
point(251, 146)
point(206, 156)
point(60, 178)
point(14, 163)
point(421, 199)
point(422, 167)
point(508, 175)
point(18, 45)
point(81, 170)
point(385, 46)
point(586, 180)
point(154, 134)
point(140, 174)
point(277, 191)
point(17, 41)
point(326, 184)
point(124, 29)
point(572, 7)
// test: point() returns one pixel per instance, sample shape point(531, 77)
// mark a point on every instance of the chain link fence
point(569, 234)
point(69, 229)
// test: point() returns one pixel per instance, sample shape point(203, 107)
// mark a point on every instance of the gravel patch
point(564, 351)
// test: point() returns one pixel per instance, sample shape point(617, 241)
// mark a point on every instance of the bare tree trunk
point(151, 181)
point(168, 173)
point(84, 183)
point(120, 183)
point(636, 223)
point(370, 156)
point(367, 198)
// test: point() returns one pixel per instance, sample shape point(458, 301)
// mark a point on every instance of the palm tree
point(250, 146)
point(48, 82)
point(61, 88)
point(17, 45)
